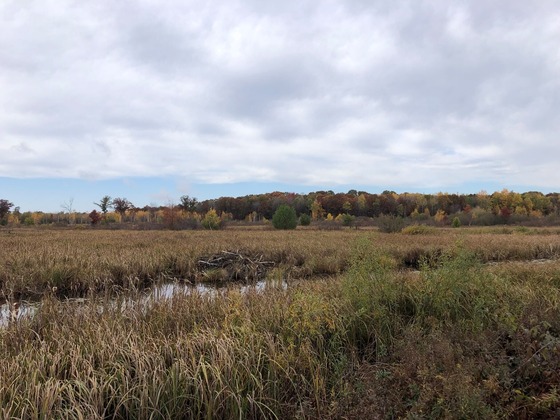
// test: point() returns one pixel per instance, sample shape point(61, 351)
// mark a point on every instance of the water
point(158, 293)
point(25, 310)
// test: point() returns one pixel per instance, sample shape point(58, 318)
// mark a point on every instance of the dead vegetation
point(76, 263)
point(458, 339)
point(233, 266)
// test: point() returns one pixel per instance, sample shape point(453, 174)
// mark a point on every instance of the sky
point(152, 100)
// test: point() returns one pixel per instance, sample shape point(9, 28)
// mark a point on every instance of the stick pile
point(234, 266)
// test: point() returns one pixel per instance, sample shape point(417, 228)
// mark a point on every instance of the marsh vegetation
point(437, 323)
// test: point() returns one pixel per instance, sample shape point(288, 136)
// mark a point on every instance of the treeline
point(321, 206)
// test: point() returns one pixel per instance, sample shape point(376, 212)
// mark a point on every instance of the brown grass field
point(436, 323)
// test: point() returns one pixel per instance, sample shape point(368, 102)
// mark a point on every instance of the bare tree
point(68, 207)
point(170, 215)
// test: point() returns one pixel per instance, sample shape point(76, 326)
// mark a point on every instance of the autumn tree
point(95, 217)
point(5, 207)
point(301, 204)
point(211, 220)
point(535, 200)
point(373, 205)
point(361, 203)
point(440, 216)
point(508, 199)
point(483, 200)
point(121, 206)
point(188, 203)
point(443, 202)
point(388, 203)
point(239, 207)
point(554, 199)
point(317, 211)
point(405, 204)
point(334, 203)
point(505, 213)
point(171, 215)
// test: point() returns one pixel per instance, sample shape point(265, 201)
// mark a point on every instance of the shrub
point(418, 230)
point(390, 224)
point(305, 220)
point(284, 217)
point(110, 218)
point(456, 222)
point(189, 223)
point(482, 217)
point(211, 220)
point(347, 219)
point(369, 289)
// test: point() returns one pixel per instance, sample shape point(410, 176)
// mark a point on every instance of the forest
point(354, 207)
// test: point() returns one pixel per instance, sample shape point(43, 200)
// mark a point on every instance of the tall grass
point(458, 338)
point(76, 263)
point(455, 340)
point(187, 358)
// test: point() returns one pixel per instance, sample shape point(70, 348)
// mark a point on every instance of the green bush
point(456, 222)
point(284, 217)
point(305, 220)
point(347, 219)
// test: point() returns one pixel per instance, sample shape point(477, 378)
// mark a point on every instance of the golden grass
point(75, 263)
point(459, 338)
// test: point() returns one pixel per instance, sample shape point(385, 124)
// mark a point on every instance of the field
point(433, 323)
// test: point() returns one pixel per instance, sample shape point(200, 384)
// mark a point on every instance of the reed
point(456, 338)
point(76, 263)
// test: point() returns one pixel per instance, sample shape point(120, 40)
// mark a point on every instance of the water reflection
point(23, 310)
point(14, 312)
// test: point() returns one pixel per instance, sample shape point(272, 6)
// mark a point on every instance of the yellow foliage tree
point(440, 216)
point(211, 220)
point(362, 202)
point(13, 219)
point(317, 211)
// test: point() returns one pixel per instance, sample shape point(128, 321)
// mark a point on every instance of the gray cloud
point(416, 93)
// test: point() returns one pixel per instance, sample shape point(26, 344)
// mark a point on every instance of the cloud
point(376, 93)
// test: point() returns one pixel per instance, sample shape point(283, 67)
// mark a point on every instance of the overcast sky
point(156, 99)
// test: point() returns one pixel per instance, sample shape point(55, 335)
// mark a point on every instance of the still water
point(162, 292)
